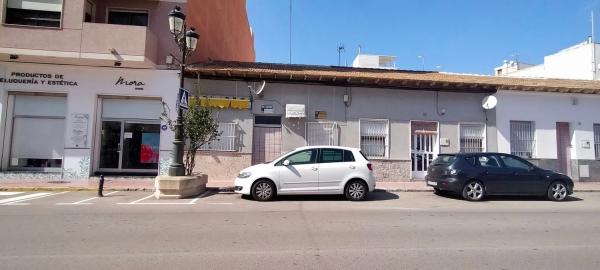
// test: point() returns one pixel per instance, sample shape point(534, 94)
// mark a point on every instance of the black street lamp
point(187, 42)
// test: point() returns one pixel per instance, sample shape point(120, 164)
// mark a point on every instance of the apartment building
point(83, 83)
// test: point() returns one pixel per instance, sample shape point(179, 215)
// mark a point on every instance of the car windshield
point(444, 160)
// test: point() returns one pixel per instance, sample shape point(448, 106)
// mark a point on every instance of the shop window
point(597, 140)
point(374, 137)
point(127, 17)
point(472, 138)
point(45, 13)
point(522, 138)
point(31, 149)
point(226, 141)
point(321, 134)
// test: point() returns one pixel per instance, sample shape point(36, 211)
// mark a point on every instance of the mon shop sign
point(38, 79)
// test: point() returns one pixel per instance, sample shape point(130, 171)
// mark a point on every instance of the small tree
point(199, 128)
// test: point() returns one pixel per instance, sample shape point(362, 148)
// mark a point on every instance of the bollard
point(101, 186)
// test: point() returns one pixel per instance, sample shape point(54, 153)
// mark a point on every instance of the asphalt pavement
point(420, 230)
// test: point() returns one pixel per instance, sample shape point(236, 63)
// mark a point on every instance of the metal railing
point(522, 138)
point(226, 141)
point(472, 138)
point(321, 133)
point(374, 137)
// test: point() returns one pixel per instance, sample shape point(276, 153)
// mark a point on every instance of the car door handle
point(315, 168)
point(352, 167)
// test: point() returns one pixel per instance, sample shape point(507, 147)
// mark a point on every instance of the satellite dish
point(489, 102)
point(257, 90)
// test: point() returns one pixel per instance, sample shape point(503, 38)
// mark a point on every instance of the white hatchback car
point(310, 170)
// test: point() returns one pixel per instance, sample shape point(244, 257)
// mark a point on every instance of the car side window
point(348, 156)
point(299, 158)
point(514, 163)
point(488, 162)
point(331, 155)
point(471, 161)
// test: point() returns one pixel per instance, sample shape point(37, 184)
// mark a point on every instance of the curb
point(213, 189)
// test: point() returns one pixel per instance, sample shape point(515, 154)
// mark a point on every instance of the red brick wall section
point(224, 30)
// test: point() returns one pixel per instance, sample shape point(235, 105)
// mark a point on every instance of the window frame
point(314, 161)
point(596, 134)
point(533, 130)
point(126, 9)
point(4, 23)
point(386, 138)
point(233, 138)
point(320, 156)
point(483, 138)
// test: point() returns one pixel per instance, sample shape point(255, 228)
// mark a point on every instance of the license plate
point(431, 183)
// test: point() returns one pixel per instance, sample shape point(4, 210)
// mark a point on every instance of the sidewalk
point(147, 184)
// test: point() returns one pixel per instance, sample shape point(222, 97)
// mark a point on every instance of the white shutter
point(46, 106)
point(131, 108)
point(44, 5)
point(30, 143)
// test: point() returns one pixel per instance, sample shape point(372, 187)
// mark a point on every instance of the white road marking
point(23, 197)
point(6, 193)
point(82, 202)
point(149, 203)
point(34, 198)
point(194, 201)
point(221, 203)
point(137, 201)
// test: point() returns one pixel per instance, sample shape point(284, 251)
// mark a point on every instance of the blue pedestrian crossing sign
point(184, 96)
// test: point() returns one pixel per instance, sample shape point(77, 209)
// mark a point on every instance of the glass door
point(141, 146)
point(110, 145)
point(129, 146)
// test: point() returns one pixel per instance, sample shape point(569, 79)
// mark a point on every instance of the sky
point(466, 36)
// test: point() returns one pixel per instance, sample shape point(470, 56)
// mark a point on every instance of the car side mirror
point(532, 168)
point(286, 163)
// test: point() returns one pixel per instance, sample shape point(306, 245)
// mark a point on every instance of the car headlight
point(244, 174)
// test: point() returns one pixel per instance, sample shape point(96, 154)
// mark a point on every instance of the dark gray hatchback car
point(475, 175)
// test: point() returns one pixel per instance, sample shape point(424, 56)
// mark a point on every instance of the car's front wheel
point(473, 191)
point(557, 191)
point(356, 190)
point(263, 190)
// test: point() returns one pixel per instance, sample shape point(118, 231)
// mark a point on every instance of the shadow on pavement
point(373, 196)
point(456, 196)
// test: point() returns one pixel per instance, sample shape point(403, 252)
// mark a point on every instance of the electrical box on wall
point(444, 142)
point(586, 144)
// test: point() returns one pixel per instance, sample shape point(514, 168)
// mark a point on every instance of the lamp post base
point(179, 187)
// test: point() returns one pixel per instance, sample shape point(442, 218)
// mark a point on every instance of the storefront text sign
point(137, 85)
point(38, 79)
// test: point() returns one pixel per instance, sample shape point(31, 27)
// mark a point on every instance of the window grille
point(374, 137)
point(226, 141)
point(472, 138)
point(597, 140)
point(522, 139)
point(325, 133)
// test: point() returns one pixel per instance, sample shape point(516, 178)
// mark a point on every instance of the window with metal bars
point(522, 138)
point(321, 133)
point(472, 138)
point(597, 140)
point(226, 141)
point(374, 137)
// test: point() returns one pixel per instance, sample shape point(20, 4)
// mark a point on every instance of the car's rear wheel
point(263, 190)
point(473, 191)
point(557, 191)
point(356, 190)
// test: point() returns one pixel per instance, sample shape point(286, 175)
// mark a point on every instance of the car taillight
point(370, 166)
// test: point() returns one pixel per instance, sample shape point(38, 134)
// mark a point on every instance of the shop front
point(65, 122)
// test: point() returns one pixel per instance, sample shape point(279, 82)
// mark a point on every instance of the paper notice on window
point(128, 135)
point(79, 129)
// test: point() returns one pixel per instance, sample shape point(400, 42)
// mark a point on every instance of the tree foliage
point(199, 128)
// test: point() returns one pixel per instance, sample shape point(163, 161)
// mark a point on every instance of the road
point(129, 230)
